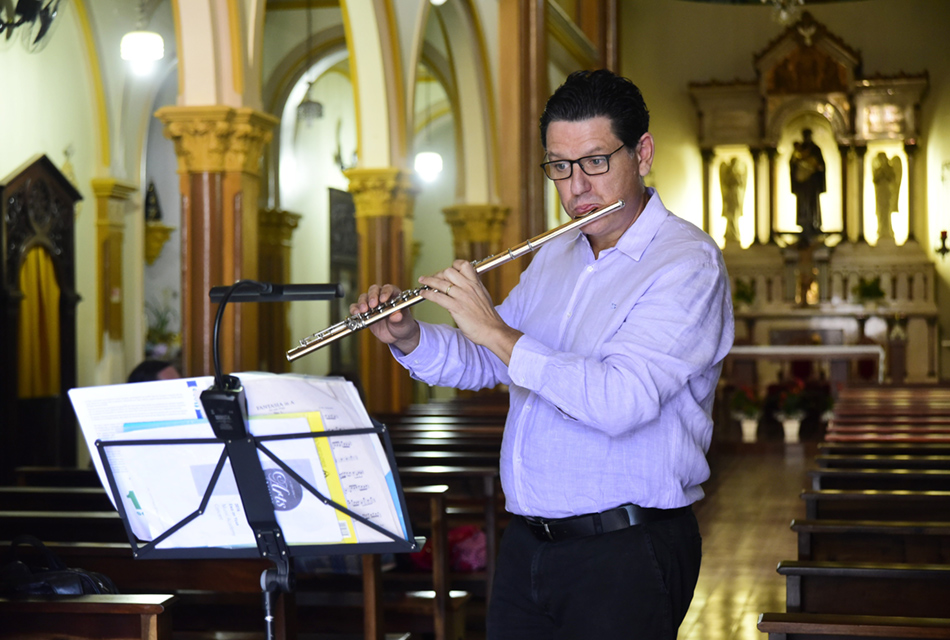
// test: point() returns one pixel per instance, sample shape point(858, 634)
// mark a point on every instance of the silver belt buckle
point(631, 511)
point(547, 531)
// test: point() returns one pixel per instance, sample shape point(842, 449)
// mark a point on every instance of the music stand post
point(225, 406)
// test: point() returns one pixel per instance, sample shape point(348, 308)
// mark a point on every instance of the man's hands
point(459, 291)
point(399, 329)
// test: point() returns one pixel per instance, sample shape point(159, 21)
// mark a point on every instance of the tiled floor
point(751, 500)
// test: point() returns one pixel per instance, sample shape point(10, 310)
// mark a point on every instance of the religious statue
point(886, 173)
point(808, 183)
point(732, 183)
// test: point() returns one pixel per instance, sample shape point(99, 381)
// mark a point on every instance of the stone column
point(476, 234)
point(383, 198)
point(772, 152)
point(860, 151)
point(219, 150)
point(112, 198)
point(910, 148)
point(844, 150)
point(757, 188)
point(707, 155)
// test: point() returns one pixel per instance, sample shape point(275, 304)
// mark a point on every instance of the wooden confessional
point(37, 317)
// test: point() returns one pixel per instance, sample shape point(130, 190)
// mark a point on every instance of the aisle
point(751, 499)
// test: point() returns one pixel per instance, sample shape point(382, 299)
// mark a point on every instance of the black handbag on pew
point(47, 574)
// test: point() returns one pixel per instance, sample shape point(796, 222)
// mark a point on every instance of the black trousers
point(635, 583)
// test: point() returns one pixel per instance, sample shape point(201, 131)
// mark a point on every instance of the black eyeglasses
point(591, 165)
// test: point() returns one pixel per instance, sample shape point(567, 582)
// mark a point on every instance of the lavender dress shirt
point(612, 384)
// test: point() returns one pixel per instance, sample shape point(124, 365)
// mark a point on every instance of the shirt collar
point(640, 234)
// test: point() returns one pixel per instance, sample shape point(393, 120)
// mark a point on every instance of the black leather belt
point(628, 515)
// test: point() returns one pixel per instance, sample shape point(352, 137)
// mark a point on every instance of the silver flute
point(413, 296)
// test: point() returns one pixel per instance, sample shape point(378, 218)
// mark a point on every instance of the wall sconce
point(140, 47)
point(942, 249)
point(37, 16)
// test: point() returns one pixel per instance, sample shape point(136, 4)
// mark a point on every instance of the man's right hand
point(399, 329)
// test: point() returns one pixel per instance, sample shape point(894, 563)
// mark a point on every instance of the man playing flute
point(611, 346)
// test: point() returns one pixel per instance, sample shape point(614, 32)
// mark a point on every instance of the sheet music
point(160, 484)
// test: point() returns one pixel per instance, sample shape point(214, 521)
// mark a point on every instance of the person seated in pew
point(611, 345)
point(149, 370)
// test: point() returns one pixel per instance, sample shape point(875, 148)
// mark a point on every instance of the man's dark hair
point(148, 370)
point(589, 94)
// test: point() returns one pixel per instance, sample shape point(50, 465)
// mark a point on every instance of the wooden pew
point(909, 506)
point(54, 498)
point(914, 590)
point(874, 461)
point(884, 448)
point(92, 617)
point(873, 541)
point(60, 526)
point(885, 479)
point(806, 626)
point(215, 589)
point(487, 500)
point(885, 436)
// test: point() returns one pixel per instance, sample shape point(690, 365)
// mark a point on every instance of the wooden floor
point(751, 499)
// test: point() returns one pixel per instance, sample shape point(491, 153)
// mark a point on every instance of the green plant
point(869, 289)
point(744, 292)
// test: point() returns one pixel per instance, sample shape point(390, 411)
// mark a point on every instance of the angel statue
point(886, 173)
point(732, 175)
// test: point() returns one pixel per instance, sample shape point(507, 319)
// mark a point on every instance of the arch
point(467, 83)
point(799, 105)
point(377, 74)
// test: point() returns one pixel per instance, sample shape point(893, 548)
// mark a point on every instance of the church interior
point(155, 149)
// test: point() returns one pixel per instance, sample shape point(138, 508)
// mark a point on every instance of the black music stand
point(225, 406)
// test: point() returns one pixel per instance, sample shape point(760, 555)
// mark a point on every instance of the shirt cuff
point(526, 367)
point(421, 359)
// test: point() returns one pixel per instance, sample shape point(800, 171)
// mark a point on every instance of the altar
point(810, 175)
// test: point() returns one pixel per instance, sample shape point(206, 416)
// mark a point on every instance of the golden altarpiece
point(806, 233)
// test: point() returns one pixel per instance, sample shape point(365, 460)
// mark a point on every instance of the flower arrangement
point(868, 290)
point(744, 403)
point(162, 340)
point(744, 293)
point(791, 400)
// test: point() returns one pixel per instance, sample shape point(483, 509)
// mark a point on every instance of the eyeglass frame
point(605, 156)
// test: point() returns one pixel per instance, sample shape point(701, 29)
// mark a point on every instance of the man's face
point(581, 193)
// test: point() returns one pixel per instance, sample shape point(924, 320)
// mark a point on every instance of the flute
point(413, 296)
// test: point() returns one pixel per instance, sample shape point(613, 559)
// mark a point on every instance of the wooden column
point(111, 201)
point(524, 90)
point(476, 233)
point(276, 229)
point(383, 198)
point(219, 151)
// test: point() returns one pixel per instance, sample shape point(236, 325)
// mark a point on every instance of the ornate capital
point(111, 197)
point(277, 226)
point(475, 223)
point(217, 138)
point(381, 192)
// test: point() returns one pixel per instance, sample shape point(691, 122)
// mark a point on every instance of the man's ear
point(645, 153)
